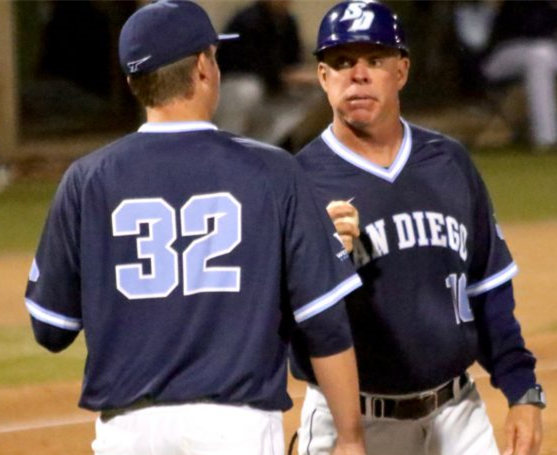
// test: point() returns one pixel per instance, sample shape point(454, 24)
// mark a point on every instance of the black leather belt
point(411, 408)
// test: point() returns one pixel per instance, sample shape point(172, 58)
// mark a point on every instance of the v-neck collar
point(390, 173)
point(175, 127)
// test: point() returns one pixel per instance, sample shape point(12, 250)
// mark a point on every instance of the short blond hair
point(157, 88)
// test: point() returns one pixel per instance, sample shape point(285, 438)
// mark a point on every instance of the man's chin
point(359, 124)
point(360, 117)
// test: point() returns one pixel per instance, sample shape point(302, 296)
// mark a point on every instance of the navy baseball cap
point(360, 22)
point(164, 32)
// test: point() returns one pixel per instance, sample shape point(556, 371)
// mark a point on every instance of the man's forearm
point(338, 378)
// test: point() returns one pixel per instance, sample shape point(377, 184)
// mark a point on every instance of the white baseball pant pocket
point(234, 430)
point(112, 439)
point(463, 428)
point(317, 433)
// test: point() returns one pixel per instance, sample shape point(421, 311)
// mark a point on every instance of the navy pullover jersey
point(434, 248)
point(187, 255)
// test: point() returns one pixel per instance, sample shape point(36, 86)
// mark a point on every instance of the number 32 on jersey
point(156, 245)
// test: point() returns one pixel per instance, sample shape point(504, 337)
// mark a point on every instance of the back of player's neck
point(177, 112)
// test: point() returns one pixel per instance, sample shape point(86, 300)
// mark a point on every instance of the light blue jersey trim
point(328, 300)
point(34, 272)
point(493, 281)
point(52, 318)
point(389, 174)
point(175, 127)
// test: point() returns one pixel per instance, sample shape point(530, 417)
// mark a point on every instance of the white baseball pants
point(191, 429)
point(460, 427)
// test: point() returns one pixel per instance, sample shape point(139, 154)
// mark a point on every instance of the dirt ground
point(45, 419)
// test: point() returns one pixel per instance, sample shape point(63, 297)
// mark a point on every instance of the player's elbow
point(53, 345)
point(52, 338)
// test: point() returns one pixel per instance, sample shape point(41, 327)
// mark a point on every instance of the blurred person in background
point(263, 73)
point(523, 46)
point(5, 176)
point(472, 25)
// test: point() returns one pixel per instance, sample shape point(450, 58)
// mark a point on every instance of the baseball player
point(522, 47)
point(187, 255)
point(437, 293)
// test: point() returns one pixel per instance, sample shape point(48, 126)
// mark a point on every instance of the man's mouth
point(357, 100)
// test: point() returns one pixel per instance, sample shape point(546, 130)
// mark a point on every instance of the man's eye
point(342, 63)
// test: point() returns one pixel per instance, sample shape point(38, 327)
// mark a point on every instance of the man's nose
point(360, 71)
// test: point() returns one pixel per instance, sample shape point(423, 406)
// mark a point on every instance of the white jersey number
point(195, 214)
point(457, 285)
point(156, 245)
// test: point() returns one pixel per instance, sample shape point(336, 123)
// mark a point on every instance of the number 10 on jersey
point(156, 246)
point(461, 304)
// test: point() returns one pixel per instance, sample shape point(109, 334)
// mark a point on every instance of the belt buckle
point(430, 394)
point(381, 402)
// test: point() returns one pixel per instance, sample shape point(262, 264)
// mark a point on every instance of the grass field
point(22, 361)
point(523, 187)
point(23, 207)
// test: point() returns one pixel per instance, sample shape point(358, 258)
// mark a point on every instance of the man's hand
point(349, 449)
point(346, 220)
point(523, 429)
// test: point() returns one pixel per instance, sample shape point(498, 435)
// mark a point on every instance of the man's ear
point(322, 74)
point(402, 71)
point(202, 66)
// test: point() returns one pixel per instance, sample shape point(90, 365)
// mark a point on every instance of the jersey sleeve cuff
point(328, 332)
point(327, 300)
point(492, 281)
point(516, 384)
point(52, 318)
